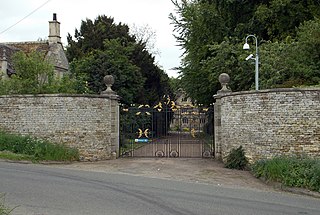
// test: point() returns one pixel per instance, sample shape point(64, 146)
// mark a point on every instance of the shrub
point(290, 171)
point(236, 159)
point(37, 148)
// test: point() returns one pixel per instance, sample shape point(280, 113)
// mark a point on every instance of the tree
point(212, 33)
point(103, 47)
point(293, 63)
point(34, 74)
point(113, 60)
point(145, 35)
point(92, 35)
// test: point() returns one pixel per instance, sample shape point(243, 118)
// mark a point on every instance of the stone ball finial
point(108, 81)
point(224, 80)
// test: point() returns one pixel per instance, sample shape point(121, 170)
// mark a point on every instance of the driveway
point(206, 171)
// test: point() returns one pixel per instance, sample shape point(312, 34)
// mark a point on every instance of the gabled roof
point(6, 53)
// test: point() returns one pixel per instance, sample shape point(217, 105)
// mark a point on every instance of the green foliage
point(113, 60)
point(15, 157)
point(103, 47)
point(35, 75)
point(236, 159)
point(4, 210)
point(290, 171)
point(175, 84)
point(212, 34)
point(37, 148)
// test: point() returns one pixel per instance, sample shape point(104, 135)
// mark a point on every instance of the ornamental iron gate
point(167, 130)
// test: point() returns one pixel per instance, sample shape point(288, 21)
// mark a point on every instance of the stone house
point(188, 117)
point(52, 49)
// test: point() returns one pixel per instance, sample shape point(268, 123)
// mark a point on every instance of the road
point(42, 190)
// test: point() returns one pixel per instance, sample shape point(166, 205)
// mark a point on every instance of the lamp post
point(247, 47)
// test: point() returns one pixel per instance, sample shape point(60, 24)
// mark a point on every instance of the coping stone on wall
point(302, 90)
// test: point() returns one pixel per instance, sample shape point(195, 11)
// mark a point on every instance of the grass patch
point(4, 210)
point(30, 148)
point(15, 157)
point(290, 171)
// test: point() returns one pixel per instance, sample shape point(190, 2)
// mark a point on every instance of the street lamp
point(247, 47)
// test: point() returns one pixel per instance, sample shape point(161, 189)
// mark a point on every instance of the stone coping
point(103, 96)
point(276, 90)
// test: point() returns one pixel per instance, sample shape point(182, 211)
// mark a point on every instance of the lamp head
point(246, 46)
point(249, 57)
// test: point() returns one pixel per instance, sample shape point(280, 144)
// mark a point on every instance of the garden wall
point(268, 123)
point(87, 122)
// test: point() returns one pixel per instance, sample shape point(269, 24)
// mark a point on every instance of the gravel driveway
point(192, 170)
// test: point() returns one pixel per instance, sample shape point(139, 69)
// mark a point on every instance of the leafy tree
point(280, 18)
point(34, 74)
point(103, 47)
point(113, 60)
point(92, 35)
point(212, 33)
point(292, 63)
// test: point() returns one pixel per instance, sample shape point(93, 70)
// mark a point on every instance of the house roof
point(6, 53)
point(53, 51)
point(28, 47)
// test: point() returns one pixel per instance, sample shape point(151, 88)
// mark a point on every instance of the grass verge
point(17, 147)
point(301, 172)
point(15, 157)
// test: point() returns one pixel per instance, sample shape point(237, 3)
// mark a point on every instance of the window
point(185, 120)
point(202, 121)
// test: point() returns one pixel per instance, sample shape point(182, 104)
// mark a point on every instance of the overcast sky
point(153, 13)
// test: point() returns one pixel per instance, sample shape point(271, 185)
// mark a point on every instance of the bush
point(37, 148)
point(290, 171)
point(237, 159)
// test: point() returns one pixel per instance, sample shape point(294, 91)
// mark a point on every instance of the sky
point(151, 13)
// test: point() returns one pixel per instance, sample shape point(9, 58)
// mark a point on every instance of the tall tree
point(103, 47)
point(212, 33)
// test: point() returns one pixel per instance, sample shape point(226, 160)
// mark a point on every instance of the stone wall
point(87, 122)
point(268, 123)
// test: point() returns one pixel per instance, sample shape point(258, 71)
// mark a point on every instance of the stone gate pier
point(267, 123)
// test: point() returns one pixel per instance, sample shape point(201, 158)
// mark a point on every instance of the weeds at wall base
point(19, 147)
point(290, 172)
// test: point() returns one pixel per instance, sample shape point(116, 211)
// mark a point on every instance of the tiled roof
point(27, 47)
point(54, 52)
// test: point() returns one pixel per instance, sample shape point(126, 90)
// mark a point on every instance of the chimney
point(54, 30)
point(4, 66)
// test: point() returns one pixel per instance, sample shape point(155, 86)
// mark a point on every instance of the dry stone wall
point(86, 122)
point(268, 123)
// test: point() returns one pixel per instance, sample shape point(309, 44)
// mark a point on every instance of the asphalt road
point(40, 190)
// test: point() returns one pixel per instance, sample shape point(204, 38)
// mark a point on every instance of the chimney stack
point(54, 30)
